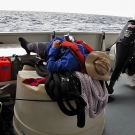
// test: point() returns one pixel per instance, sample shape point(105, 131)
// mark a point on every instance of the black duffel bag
point(64, 87)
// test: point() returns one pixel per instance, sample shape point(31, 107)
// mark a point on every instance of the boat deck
point(120, 113)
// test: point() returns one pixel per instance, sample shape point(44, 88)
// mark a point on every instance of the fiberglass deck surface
point(120, 113)
point(10, 49)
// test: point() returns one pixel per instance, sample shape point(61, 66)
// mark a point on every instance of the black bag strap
point(49, 87)
point(41, 70)
point(64, 87)
point(72, 89)
point(59, 97)
point(80, 114)
point(39, 66)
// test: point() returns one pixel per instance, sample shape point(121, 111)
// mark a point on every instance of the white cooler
point(46, 118)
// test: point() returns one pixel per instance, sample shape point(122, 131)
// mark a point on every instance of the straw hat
point(98, 65)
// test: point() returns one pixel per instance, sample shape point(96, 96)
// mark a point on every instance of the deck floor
point(120, 113)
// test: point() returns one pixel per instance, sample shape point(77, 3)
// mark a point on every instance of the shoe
point(24, 43)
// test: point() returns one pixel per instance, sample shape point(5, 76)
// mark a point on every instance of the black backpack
point(64, 87)
point(38, 64)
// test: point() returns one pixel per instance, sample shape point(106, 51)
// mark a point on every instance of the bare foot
point(56, 44)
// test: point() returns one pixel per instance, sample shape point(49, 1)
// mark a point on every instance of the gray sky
point(124, 8)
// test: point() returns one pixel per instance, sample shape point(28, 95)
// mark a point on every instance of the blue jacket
point(66, 62)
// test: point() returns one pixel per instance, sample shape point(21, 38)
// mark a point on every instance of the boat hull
point(94, 39)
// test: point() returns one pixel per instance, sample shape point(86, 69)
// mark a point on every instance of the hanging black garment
point(125, 47)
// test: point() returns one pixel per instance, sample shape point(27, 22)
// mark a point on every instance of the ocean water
point(27, 21)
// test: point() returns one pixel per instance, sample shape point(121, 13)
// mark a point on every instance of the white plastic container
point(45, 118)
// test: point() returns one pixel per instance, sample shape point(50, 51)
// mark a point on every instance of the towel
point(93, 94)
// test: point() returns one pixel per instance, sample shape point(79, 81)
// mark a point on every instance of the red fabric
point(77, 53)
point(35, 81)
point(86, 46)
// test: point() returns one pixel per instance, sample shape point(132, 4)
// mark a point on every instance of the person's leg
point(24, 44)
point(36, 47)
point(41, 49)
